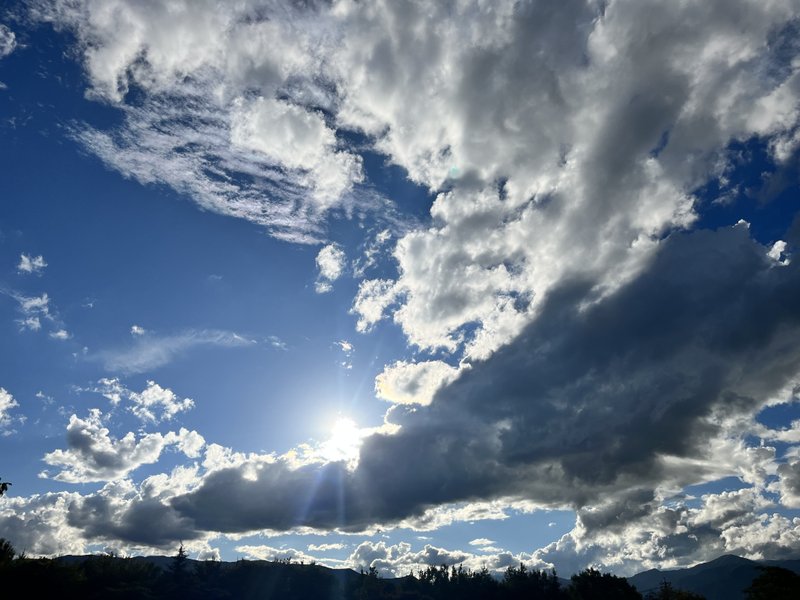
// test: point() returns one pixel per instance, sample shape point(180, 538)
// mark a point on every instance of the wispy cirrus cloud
point(34, 310)
point(151, 350)
point(273, 158)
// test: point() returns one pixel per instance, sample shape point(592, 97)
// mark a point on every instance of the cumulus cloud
point(262, 552)
point(592, 169)
point(124, 513)
point(653, 535)
point(330, 262)
point(30, 264)
point(153, 404)
point(789, 484)
point(93, 454)
point(152, 351)
point(137, 330)
point(38, 524)
point(60, 334)
point(125, 518)
point(399, 560)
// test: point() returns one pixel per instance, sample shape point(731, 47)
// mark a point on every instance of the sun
point(344, 441)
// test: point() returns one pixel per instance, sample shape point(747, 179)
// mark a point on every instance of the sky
point(401, 283)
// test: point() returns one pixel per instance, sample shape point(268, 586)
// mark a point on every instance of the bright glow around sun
point(344, 442)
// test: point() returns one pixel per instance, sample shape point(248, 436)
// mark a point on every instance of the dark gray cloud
point(144, 521)
point(583, 406)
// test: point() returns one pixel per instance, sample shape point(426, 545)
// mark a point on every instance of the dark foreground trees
point(667, 592)
point(774, 583)
point(111, 577)
point(591, 584)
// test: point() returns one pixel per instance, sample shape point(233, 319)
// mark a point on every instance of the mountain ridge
point(723, 578)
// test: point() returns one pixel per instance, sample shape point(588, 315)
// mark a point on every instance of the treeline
point(110, 577)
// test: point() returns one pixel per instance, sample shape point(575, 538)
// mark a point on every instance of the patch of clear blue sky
point(757, 190)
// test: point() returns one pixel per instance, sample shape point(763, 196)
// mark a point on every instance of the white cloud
point(570, 135)
point(330, 262)
point(326, 547)
point(8, 41)
point(262, 552)
point(398, 560)
point(789, 483)
point(7, 402)
point(153, 404)
point(482, 542)
point(34, 309)
point(35, 304)
point(239, 124)
point(664, 536)
point(373, 298)
point(298, 139)
point(778, 252)
point(30, 323)
point(137, 330)
point(39, 524)
point(413, 383)
point(31, 264)
point(92, 454)
point(276, 342)
point(372, 251)
point(48, 400)
point(152, 351)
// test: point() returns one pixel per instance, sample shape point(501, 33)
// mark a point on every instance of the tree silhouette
point(179, 564)
point(774, 583)
point(590, 584)
point(7, 552)
point(667, 592)
point(522, 583)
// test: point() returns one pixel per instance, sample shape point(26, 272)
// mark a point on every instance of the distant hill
point(345, 576)
point(724, 578)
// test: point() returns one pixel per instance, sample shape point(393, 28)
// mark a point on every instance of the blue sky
point(384, 285)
